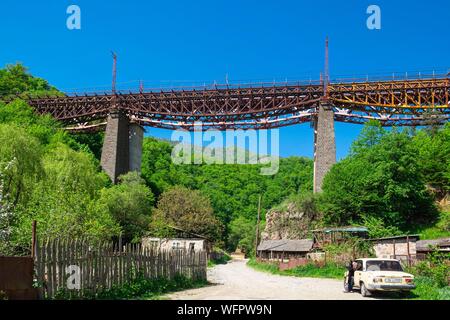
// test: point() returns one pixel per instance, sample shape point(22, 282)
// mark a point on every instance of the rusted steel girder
point(399, 102)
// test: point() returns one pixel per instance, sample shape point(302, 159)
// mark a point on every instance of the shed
point(284, 249)
point(338, 234)
point(401, 247)
point(424, 247)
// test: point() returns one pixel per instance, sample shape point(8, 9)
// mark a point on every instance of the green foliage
point(426, 289)
point(140, 288)
point(92, 141)
point(130, 203)
point(378, 229)
point(433, 154)
point(15, 79)
point(64, 200)
point(6, 216)
point(221, 257)
point(23, 154)
point(242, 235)
point(432, 276)
point(328, 270)
point(232, 189)
point(441, 229)
point(435, 267)
point(188, 210)
point(381, 179)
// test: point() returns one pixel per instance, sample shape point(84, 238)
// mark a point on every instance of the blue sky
point(187, 42)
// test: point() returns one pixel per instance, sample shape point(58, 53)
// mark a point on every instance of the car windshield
point(383, 265)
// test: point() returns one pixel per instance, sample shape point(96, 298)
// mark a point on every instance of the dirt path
point(236, 281)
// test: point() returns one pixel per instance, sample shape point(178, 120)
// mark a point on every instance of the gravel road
point(236, 281)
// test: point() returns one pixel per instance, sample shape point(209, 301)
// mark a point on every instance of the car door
point(358, 273)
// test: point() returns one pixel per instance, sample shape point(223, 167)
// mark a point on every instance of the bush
point(221, 258)
point(435, 268)
point(327, 270)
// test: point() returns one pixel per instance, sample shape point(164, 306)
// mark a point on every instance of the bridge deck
point(260, 106)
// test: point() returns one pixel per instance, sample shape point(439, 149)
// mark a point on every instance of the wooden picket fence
point(103, 265)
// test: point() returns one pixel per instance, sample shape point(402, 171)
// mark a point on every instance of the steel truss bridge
point(404, 102)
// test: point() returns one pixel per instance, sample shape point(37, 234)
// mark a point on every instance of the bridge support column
point(122, 146)
point(324, 144)
point(136, 136)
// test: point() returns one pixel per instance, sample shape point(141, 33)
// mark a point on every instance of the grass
point(329, 270)
point(140, 289)
point(438, 230)
point(426, 289)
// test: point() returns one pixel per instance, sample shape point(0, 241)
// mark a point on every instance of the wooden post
point(409, 256)
point(393, 242)
point(33, 239)
point(257, 226)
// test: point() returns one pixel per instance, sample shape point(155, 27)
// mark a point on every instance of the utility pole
point(114, 72)
point(257, 226)
point(326, 77)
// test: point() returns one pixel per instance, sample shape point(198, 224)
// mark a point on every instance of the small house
point(181, 240)
point(284, 249)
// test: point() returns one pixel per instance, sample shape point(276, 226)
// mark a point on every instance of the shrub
point(435, 268)
point(139, 288)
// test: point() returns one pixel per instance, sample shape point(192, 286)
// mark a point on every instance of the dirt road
point(236, 281)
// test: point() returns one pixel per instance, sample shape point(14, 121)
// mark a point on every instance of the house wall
point(171, 244)
point(278, 255)
point(385, 248)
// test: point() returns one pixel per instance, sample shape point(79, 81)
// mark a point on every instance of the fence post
point(33, 240)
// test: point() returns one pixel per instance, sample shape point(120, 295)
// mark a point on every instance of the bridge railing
point(411, 76)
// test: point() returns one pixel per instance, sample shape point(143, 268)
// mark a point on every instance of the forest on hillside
point(393, 181)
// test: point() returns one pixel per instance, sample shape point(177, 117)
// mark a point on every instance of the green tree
point(15, 79)
point(188, 210)
point(242, 235)
point(64, 201)
point(380, 178)
point(23, 154)
point(6, 216)
point(433, 156)
point(130, 203)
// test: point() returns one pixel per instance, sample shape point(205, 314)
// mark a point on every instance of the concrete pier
point(122, 146)
point(324, 144)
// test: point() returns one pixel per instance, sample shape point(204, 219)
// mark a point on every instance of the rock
point(287, 223)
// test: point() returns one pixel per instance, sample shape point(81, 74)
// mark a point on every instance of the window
point(192, 246)
point(383, 265)
point(359, 265)
point(175, 245)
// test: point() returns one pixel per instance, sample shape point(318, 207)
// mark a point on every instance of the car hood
point(390, 274)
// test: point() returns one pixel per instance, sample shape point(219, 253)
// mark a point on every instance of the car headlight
point(377, 279)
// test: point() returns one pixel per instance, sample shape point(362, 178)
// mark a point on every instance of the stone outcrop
point(287, 223)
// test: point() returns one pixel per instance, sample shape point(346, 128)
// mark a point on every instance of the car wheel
point(364, 291)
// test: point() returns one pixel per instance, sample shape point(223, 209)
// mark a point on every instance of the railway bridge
point(393, 102)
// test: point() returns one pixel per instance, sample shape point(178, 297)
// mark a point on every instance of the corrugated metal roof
point(410, 236)
point(303, 245)
point(342, 229)
point(424, 245)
